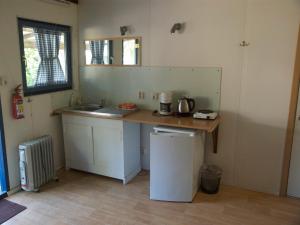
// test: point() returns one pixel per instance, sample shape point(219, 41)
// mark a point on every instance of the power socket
point(141, 95)
point(155, 96)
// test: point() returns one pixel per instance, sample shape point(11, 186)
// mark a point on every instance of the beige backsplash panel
point(62, 98)
point(122, 84)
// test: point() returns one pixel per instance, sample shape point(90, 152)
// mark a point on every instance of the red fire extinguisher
point(17, 103)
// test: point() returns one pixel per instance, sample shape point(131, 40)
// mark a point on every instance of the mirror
point(119, 51)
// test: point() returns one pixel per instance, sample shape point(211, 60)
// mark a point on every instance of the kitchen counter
point(209, 126)
point(146, 117)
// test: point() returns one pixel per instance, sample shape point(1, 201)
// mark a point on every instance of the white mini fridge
point(176, 156)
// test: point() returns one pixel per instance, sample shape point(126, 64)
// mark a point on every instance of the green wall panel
point(122, 84)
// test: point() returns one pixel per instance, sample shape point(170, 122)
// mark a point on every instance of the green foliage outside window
point(32, 65)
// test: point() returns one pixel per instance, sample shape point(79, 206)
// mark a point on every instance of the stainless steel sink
point(112, 112)
point(89, 108)
point(97, 110)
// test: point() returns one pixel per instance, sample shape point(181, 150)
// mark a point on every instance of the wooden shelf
point(146, 117)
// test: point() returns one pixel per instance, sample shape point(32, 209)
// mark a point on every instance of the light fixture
point(123, 30)
point(176, 26)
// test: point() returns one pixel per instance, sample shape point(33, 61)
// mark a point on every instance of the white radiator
point(36, 163)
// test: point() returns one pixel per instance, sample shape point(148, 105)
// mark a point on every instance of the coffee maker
point(165, 99)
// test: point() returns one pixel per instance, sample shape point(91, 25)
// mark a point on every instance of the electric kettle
point(186, 105)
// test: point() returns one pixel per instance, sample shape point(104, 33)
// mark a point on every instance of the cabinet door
point(79, 146)
point(108, 151)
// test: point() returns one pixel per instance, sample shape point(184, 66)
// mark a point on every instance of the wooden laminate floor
point(84, 199)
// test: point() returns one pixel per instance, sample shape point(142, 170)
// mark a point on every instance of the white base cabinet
point(102, 146)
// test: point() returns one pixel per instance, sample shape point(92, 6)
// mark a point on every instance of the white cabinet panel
point(79, 146)
point(132, 149)
point(108, 150)
point(102, 146)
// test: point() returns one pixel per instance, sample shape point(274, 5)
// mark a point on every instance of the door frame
point(2, 142)
point(291, 123)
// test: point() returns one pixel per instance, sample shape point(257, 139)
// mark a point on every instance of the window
point(130, 51)
point(98, 52)
point(46, 57)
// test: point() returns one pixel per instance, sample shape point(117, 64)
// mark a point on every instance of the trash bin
point(210, 179)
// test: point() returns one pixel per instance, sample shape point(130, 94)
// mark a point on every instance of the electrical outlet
point(155, 96)
point(141, 95)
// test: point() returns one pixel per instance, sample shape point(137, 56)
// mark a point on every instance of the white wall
point(256, 80)
point(37, 113)
point(200, 45)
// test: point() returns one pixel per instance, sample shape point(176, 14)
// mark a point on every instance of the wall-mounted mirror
point(118, 51)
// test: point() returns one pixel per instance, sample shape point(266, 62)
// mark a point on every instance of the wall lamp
point(123, 30)
point(177, 26)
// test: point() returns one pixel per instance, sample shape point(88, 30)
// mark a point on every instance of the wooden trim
point(291, 123)
point(112, 65)
point(215, 135)
point(112, 38)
